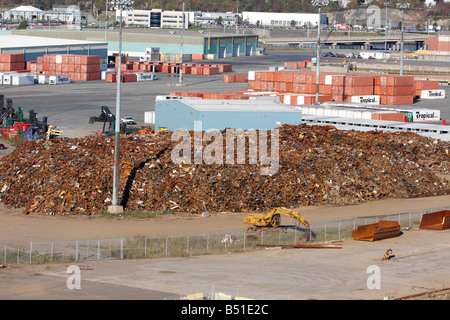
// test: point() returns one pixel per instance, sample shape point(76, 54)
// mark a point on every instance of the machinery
point(108, 117)
point(260, 222)
point(13, 122)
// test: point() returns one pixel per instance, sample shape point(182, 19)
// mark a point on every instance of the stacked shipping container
point(78, 67)
point(12, 62)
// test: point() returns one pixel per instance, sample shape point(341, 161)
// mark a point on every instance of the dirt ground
point(166, 278)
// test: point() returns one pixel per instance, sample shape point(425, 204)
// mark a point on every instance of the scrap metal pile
point(317, 165)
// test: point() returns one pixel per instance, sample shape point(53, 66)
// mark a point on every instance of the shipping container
point(58, 79)
point(432, 94)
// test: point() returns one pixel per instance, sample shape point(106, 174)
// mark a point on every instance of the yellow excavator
point(260, 222)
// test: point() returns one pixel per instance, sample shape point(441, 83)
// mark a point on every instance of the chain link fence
point(198, 244)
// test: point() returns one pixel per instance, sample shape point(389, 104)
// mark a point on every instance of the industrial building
point(277, 19)
point(173, 114)
point(66, 14)
point(135, 42)
point(155, 18)
point(33, 47)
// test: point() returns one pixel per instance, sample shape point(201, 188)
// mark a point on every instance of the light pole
point(386, 4)
point(403, 7)
point(115, 207)
point(106, 23)
point(181, 49)
point(319, 4)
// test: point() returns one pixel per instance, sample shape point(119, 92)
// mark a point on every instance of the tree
point(23, 24)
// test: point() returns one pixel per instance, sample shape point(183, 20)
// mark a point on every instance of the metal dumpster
point(439, 220)
point(377, 231)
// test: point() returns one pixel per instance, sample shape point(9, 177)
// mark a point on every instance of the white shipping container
point(146, 76)
point(22, 80)
point(7, 79)
point(426, 115)
point(152, 50)
point(149, 117)
point(369, 99)
point(105, 72)
point(251, 75)
point(432, 94)
point(58, 79)
point(3, 74)
point(43, 78)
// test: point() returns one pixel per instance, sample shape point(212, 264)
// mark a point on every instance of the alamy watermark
point(261, 147)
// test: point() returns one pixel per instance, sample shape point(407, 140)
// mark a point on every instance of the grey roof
point(16, 41)
point(238, 105)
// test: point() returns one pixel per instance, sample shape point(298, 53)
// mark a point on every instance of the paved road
point(70, 106)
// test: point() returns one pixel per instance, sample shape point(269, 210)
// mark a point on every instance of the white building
point(204, 18)
point(274, 19)
point(155, 18)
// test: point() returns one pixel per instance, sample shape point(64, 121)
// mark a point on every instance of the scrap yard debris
point(317, 165)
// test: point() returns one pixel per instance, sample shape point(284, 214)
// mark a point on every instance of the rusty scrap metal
point(317, 165)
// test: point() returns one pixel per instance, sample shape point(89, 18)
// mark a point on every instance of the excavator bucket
point(377, 231)
point(436, 220)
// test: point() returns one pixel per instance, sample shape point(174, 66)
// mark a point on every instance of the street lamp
point(121, 5)
point(403, 7)
point(181, 50)
point(386, 4)
point(319, 4)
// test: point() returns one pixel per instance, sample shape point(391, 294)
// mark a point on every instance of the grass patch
point(133, 214)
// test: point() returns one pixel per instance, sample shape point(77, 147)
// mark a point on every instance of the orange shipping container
point(426, 85)
point(394, 116)
point(396, 100)
point(359, 81)
point(397, 91)
point(358, 91)
point(396, 80)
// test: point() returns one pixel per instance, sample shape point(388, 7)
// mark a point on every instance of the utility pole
point(115, 207)
point(319, 4)
point(181, 49)
point(403, 7)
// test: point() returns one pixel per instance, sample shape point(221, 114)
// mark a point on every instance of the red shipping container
point(359, 80)
point(293, 65)
point(397, 91)
point(358, 90)
point(426, 84)
point(208, 71)
point(396, 100)
point(129, 77)
point(394, 116)
point(396, 80)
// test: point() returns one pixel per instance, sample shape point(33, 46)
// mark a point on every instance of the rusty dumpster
point(377, 231)
point(439, 220)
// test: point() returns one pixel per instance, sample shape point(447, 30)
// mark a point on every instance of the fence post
point(244, 240)
point(76, 251)
point(51, 254)
point(98, 250)
point(166, 245)
point(339, 231)
point(31, 250)
point(325, 232)
point(207, 243)
point(121, 249)
point(187, 245)
point(145, 248)
point(410, 219)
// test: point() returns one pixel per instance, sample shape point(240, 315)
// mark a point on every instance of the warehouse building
point(173, 114)
point(33, 47)
point(135, 42)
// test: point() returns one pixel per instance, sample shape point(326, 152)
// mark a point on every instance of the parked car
point(128, 120)
point(328, 55)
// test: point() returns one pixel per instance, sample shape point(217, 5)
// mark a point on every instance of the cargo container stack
point(12, 62)
point(78, 67)
point(394, 89)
